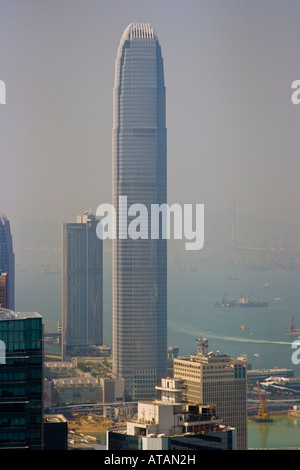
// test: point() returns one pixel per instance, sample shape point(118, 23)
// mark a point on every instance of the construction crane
point(263, 413)
point(292, 328)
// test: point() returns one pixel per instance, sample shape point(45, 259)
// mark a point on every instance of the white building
point(168, 423)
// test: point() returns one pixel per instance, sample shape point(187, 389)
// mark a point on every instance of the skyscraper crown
point(139, 30)
point(3, 218)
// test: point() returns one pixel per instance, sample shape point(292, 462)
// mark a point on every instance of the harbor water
point(257, 333)
point(283, 433)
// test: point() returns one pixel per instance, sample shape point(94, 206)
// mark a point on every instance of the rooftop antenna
point(202, 346)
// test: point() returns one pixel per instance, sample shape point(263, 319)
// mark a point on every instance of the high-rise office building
point(82, 285)
point(21, 380)
point(217, 378)
point(7, 259)
point(139, 174)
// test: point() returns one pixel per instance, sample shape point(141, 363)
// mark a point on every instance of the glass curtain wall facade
point(21, 381)
point(7, 260)
point(139, 173)
point(82, 278)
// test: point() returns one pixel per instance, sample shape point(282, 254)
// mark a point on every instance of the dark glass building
point(55, 432)
point(7, 259)
point(21, 380)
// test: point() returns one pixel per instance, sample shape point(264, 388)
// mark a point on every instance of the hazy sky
point(233, 132)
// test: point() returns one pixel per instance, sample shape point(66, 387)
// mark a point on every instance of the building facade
point(21, 381)
point(7, 260)
point(139, 174)
point(75, 390)
point(219, 379)
point(169, 424)
point(55, 432)
point(113, 389)
point(82, 285)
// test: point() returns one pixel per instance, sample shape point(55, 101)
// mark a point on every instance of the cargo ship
point(242, 302)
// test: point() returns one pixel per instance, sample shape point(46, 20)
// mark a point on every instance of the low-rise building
point(76, 390)
point(262, 374)
point(113, 390)
point(282, 384)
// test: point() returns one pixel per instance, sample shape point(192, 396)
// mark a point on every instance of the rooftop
point(203, 356)
point(55, 419)
point(75, 381)
point(138, 30)
point(3, 218)
point(6, 314)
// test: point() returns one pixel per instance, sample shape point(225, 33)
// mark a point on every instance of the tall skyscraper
point(82, 285)
point(140, 174)
point(7, 259)
point(219, 379)
point(21, 380)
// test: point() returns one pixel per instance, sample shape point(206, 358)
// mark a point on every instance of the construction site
point(88, 428)
point(273, 396)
